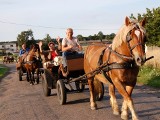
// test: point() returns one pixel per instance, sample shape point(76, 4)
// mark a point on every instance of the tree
point(48, 38)
point(110, 37)
point(152, 26)
point(25, 37)
point(80, 37)
point(100, 35)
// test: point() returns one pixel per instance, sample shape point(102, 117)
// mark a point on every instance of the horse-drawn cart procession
point(115, 64)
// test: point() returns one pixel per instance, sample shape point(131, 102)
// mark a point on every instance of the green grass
point(149, 76)
point(3, 70)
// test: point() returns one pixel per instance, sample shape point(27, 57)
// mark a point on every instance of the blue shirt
point(21, 52)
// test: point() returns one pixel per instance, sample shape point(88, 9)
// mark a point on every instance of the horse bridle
point(129, 38)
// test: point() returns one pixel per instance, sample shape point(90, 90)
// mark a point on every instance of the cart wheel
point(79, 86)
point(20, 73)
point(99, 90)
point(46, 90)
point(61, 92)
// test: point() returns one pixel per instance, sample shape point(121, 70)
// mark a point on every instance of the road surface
point(21, 101)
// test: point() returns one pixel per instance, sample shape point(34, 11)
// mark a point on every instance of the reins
point(106, 66)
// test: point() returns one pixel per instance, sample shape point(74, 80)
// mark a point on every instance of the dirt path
point(21, 101)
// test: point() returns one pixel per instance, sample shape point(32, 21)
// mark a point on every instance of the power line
point(13, 23)
point(19, 24)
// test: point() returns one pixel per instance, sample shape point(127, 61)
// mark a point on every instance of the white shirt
point(73, 42)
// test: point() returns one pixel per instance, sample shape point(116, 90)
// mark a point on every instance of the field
point(150, 73)
point(153, 51)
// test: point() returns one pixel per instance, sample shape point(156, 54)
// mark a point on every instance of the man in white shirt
point(70, 46)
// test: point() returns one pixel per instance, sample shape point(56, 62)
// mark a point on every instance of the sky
point(53, 17)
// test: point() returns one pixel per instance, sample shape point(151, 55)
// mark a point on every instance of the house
point(8, 47)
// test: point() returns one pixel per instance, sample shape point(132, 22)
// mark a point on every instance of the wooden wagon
point(54, 78)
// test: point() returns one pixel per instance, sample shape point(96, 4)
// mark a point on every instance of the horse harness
point(106, 66)
point(36, 58)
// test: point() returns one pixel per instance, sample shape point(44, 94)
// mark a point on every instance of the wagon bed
point(52, 78)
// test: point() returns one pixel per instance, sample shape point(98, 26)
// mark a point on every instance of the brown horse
point(5, 59)
point(119, 64)
point(32, 63)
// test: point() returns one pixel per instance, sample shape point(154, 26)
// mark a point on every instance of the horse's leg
point(126, 96)
point(92, 96)
point(37, 72)
point(32, 70)
point(124, 110)
point(113, 100)
point(32, 76)
point(27, 76)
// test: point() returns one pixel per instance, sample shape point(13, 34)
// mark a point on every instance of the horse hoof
point(124, 117)
point(35, 83)
point(31, 84)
point(135, 118)
point(93, 108)
point(115, 112)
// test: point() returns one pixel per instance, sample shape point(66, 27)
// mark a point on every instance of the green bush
point(3, 70)
point(149, 75)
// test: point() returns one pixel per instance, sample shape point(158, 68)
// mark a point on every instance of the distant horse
point(32, 63)
point(8, 59)
point(5, 59)
point(11, 58)
point(119, 64)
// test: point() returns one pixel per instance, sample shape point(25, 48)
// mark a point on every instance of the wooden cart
point(53, 78)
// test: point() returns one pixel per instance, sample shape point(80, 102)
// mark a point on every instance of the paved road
point(21, 101)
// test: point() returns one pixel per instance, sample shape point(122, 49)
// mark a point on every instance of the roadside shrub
point(149, 75)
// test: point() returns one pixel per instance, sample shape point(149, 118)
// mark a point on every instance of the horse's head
point(133, 35)
point(37, 51)
point(35, 47)
point(136, 39)
point(34, 53)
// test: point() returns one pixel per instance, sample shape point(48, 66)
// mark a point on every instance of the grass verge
point(3, 70)
point(150, 76)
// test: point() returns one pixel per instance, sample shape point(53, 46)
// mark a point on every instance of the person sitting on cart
point(23, 52)
point(70, 46)
point(53, 51)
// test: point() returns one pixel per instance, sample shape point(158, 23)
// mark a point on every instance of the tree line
point(28, 38)
point(152, 26)
point(152, 29)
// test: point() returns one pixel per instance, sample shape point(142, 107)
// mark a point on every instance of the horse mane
point(122, 33)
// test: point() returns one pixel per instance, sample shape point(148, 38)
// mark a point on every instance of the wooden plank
point(75, 64)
